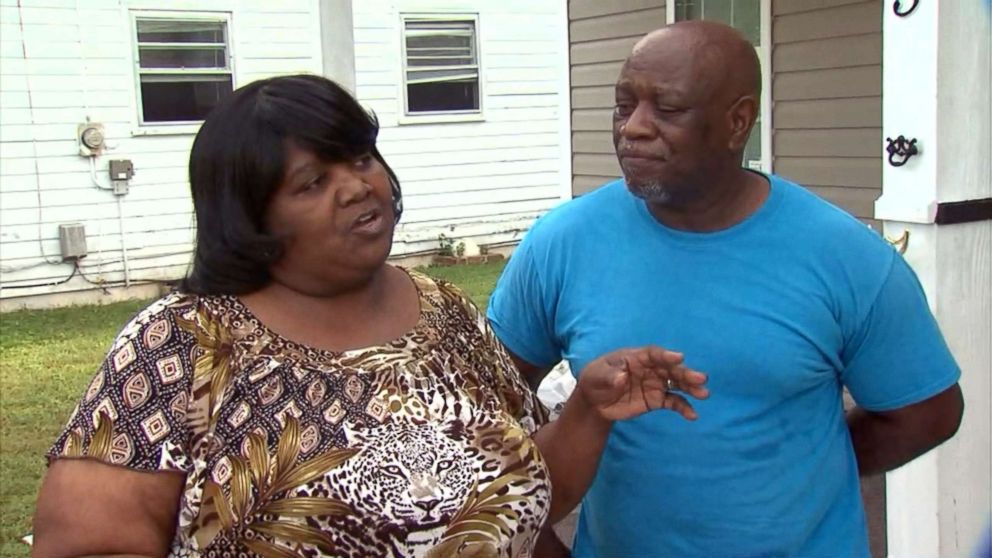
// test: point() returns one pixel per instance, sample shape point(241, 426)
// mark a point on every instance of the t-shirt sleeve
point(897, 356)
point(522, 307)
point(133, 414)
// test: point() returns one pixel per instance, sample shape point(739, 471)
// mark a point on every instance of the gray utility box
point(72, 239)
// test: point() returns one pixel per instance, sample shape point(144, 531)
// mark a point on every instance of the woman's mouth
point(369, 223)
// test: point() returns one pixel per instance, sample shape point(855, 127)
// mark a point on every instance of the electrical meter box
point(121, 169)
point(72, 239)
point(92, 139)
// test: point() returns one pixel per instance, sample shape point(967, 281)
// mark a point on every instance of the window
point(183, 67)
point(750, 17)
point(441, 65)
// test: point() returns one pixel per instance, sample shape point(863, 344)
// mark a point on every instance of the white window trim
point(446, 116)
point(765, 57)
point(139, 128)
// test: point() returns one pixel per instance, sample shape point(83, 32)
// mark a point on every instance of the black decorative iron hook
point(902, 148)
point(897, 8)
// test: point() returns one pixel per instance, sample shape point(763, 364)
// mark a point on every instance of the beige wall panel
point(628, 24)
point(593, 142)
point(842, 142)
point(583, 9)
point(848, 172)
point(854, 19)
point(858, 112)
point(839, 83)
point(835, 52)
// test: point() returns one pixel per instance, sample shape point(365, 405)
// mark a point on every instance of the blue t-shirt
point(782, 311)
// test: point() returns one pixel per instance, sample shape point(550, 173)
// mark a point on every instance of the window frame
point(765, 57)
point(185, 127)
point(405, 116)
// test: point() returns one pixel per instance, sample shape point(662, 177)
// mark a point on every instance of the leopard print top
point(420, 447)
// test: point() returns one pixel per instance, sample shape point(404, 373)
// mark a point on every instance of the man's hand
point(629, 382)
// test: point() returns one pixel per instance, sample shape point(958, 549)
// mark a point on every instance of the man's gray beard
point(651, 192)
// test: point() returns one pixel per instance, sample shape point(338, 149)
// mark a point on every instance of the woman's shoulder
point(442, 295)
point(165, 318)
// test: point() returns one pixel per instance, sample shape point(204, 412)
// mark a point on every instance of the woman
point(301, 397)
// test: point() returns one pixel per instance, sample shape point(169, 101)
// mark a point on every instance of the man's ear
point(740, 119)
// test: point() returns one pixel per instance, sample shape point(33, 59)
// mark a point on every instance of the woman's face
point(335, 218)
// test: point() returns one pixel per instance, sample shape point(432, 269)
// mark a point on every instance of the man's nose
point(639, 125)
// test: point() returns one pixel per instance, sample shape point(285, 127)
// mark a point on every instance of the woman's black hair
point(238, 160)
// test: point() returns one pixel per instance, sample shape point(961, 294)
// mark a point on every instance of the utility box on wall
point(72, 239)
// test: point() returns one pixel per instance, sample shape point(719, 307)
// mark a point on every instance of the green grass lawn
point(476, 281)
point(46, 361)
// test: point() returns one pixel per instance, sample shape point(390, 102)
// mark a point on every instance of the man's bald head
point(724, 62)
point(686, 100)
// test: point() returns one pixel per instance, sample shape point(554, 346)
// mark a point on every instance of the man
point(781, 298)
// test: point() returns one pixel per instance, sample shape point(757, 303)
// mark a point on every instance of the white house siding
point(487, 179)
point(63, 61)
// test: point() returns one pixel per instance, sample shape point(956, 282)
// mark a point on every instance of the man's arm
point(532, 373)
point(886, 440)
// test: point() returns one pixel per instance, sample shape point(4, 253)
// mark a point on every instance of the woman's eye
point(364, 162)
point(311, 185)
point(444, 465)
point(394, 470)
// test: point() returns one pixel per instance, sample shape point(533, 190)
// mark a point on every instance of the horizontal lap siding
point(488, 179)
point(60, 65)
point(601, 35)
point(827, 96)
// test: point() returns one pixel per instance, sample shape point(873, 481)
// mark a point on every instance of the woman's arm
point(571, 446)
point(89, 508)
point(617, 386)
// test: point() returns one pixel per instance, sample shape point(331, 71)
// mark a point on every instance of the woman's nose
point(353, 188)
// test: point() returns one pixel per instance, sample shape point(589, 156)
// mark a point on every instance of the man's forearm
point(572, 446)
point(878, 445)
point(886, 441)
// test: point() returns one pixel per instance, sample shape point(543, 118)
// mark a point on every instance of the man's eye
point(623, 109)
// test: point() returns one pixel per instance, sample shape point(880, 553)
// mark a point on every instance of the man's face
point(663, 124)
